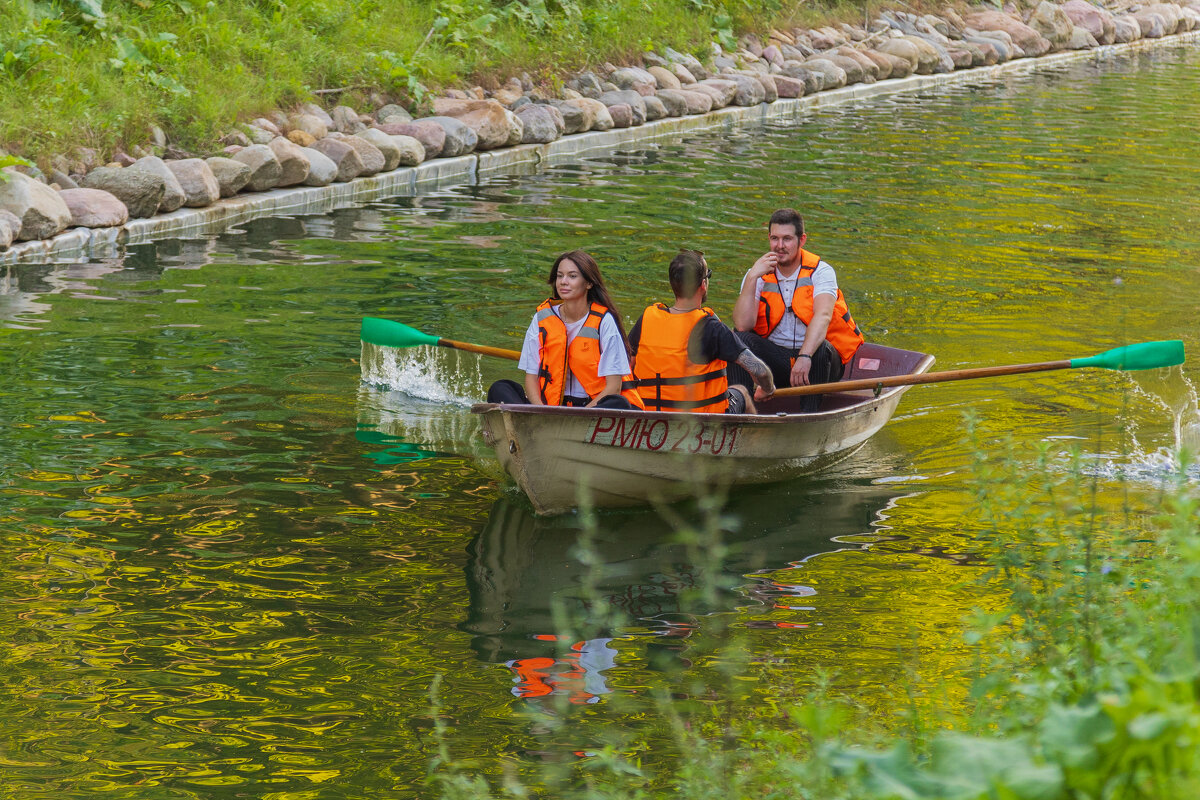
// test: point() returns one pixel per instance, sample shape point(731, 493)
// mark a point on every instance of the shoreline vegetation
point(1084, 682)
point(120, 111)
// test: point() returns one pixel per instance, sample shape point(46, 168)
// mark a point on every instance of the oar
point(394, 334)
point(1147, 355)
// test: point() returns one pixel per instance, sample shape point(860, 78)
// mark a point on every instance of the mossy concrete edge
point(82, 244)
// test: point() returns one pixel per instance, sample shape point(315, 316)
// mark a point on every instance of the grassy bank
point(100, 73)
point(1085, 686)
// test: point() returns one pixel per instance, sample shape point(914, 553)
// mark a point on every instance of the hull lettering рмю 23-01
point(682, 435)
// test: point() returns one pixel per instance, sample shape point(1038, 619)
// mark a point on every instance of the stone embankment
point(312, 147)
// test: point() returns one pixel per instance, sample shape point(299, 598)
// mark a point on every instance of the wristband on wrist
point(804, 355)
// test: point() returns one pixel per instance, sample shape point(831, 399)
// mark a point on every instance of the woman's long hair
point(597, 294)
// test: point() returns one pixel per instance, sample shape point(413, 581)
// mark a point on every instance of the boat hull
point(565, 458)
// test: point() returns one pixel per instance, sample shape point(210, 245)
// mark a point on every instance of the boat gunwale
point(868, 398)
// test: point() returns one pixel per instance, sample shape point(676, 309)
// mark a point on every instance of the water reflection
point(409, 421)
point(650, 575)
point(24, 288)
point(230, 564)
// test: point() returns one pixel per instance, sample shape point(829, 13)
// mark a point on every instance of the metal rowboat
point(566, 457)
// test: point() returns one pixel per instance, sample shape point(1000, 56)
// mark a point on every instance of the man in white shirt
point(790, 312)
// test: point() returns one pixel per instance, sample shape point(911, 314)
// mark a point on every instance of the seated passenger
point(680, 352)
point(791, 313)
point(575, 352)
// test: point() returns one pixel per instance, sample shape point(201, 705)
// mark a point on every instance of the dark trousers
point(826, 367)
point(508, 391)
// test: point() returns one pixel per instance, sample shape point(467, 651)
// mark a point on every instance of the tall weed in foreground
point(1063, 559)
point(1087, 686)
point(703, 729)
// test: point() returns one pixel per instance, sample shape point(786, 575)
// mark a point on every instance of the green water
point(232, 570)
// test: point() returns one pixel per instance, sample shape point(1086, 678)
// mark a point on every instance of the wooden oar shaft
point(925, 377)
point(499, 352)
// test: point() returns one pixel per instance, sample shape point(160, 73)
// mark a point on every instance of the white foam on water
point(1170, 391)
point(901, 479)
point(429, 373)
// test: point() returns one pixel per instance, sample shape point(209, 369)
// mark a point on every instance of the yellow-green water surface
point(229, 569)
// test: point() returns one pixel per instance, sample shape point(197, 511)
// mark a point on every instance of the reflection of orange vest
point(541, 676)
point(582, 357)
point(533, 674)
point(667, 381)
point(843, 334)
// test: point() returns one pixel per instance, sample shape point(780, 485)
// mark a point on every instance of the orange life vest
point(843, 333)
point(667, 380)
point(582, 358)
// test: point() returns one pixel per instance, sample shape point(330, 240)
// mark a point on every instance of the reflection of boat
point(528, 576)
point(559, 455)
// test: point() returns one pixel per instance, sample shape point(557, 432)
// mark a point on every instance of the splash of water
point(1171, 391)
point(428, 373)
point(414, 401)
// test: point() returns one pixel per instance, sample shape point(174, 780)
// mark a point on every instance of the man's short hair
point(788, 216)
point(686, 272)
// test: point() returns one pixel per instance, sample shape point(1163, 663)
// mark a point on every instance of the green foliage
point(396, 74)
point(723, 31)
point(959, 766)
point(465, 24)
point(1135, 744)
point(1093, 666)
point(100, 73)
point(1087, 686)
point(10, 161)
point(148, 57)
point(25, 46)
point(86, 13)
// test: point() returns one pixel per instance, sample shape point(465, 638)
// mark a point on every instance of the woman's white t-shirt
point(613, 358)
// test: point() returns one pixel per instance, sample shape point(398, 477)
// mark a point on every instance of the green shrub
point(1086, 689)
point(95, 73)
point(1091, 669)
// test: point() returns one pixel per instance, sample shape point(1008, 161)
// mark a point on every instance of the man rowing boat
point(791, 313)
point(681, 351)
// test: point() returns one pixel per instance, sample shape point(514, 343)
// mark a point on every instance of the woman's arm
point(533, 391)
point(531, 362)
point(614, 361)
point(612, 385)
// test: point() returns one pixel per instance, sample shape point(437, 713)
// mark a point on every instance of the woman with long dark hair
point(575, 351)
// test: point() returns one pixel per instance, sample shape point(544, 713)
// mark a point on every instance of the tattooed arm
point(764, 383)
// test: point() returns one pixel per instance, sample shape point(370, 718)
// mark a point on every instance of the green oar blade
point(1147, 355)
point(393, 334)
